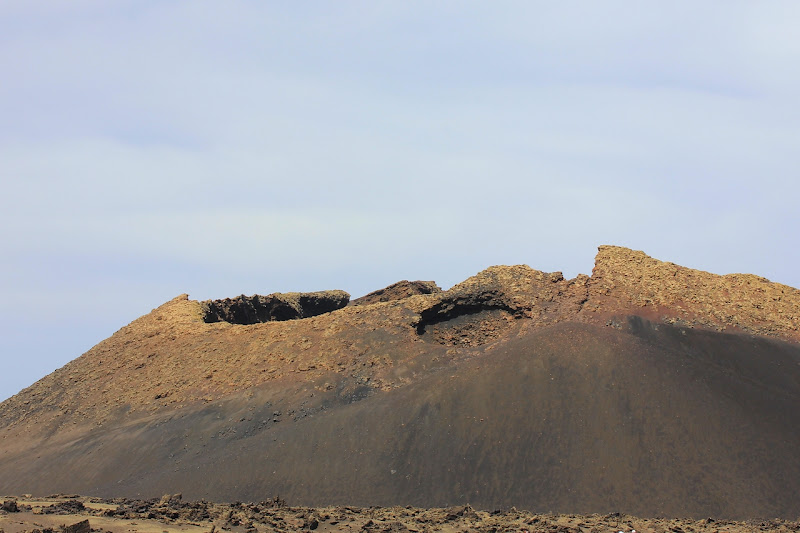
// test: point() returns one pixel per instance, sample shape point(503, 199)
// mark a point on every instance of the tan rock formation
point(625, 280)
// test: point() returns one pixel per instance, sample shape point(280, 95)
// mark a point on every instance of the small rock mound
point(273, 307)
point(398, 291)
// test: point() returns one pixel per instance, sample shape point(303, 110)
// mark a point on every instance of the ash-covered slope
point(646, 388)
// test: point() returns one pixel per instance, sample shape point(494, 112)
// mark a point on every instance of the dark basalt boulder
point(10, 506)
point(79, 527)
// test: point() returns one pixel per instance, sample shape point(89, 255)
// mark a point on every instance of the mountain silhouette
point(646, 388)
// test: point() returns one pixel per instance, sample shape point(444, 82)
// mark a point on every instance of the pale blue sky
point(151, 148)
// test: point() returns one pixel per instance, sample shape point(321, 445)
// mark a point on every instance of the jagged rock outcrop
point(514, 387)
point(274, 307)
point(398, 291)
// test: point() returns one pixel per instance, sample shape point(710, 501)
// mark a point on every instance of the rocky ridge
point(172, 512)
point(624, 279)
point(174, 355)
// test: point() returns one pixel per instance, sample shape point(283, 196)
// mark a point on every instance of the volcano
point(646, 388)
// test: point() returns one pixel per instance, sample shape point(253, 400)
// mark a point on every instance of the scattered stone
point(79, 527)
point(171, 499)
point(259, 517)
point(10, 506)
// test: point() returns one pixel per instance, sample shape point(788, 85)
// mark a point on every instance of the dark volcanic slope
point(514, 388)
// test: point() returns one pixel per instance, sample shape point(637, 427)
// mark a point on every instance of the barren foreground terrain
point(73, 514)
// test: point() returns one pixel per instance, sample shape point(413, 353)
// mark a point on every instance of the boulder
point(10, 506)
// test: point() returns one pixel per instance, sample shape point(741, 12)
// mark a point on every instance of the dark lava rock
point(79, 527)
point(274, 307)
point(171, 499)
point(10, 506)
point(66, 507)
point(398, 291)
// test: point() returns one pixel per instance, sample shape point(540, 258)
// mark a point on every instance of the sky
point(152, 148)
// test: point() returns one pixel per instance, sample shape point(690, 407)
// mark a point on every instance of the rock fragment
point(10, 506)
